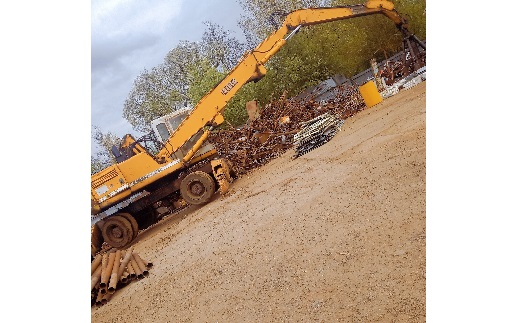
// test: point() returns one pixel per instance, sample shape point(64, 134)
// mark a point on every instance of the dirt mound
point(336, 234)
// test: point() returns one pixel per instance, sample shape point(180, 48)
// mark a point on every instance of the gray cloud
point(130, 36)
point(106, 54)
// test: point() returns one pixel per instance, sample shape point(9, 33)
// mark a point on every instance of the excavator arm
point(208, 111)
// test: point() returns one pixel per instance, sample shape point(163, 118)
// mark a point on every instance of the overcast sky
point(128, 36)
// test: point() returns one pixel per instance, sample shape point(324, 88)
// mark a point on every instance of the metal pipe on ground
point(125, 261)
point(98, 301)
point(109, 268)
point(124, 278)
point(142, 265)
point(104, 266)
point(95, 277)
point(131, 271)
point(95, 263)
point(113, 279)
point(136, 268)
point(148, 264)
point(105, 298)
point(107, 272)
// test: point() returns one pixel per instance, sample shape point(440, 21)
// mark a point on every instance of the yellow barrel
point(370, 94)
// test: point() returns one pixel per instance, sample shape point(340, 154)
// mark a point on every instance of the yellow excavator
point(142, 186)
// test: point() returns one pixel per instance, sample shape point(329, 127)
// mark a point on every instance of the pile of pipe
point(315, 133)
point(272, 133)
point(113, 270)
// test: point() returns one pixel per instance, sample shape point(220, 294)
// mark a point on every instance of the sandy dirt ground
point(336, 235)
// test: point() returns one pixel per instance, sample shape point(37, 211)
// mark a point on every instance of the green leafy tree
point(415, 12)
point(202, 77)
point(97, 165)
point(161, 90)
point(151, 97)
point(219, 48)
point(219, 54)
point(189, 71)
point(316, 53)
point(263, 17)
point(321, 51)
point(177, 63)
point(379, 36)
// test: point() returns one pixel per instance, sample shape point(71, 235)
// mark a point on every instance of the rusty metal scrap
point(271, 134)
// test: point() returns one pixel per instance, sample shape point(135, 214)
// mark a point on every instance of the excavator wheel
point(117, 231)
point(197, 188)
point(134, 224)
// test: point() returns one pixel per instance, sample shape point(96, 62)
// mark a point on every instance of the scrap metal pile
point(406, 82)
point(113, 270)
point(273, 131)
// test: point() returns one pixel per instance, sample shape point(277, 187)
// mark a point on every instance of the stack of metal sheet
point(315, 133)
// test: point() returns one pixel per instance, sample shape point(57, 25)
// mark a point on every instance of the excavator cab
point(165, 126)
point(131, 147)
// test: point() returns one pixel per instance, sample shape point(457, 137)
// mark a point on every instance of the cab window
point(163, 131)
point(175, 121)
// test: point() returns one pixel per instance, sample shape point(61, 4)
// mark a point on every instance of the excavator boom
point(208, 111)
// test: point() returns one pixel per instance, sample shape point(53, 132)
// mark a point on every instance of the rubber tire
point(205, 182)
point(117, 222)
point(134, 224)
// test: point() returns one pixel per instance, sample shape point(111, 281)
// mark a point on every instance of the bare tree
point(103, 157)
